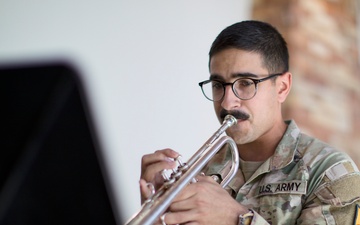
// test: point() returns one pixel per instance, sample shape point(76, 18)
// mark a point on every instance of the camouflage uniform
point(304, 182)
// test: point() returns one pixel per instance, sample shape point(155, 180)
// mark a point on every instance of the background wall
point(141, 62)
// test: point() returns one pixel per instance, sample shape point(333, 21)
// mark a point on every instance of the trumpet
point(159, 201)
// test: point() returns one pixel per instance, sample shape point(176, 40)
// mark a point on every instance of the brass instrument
point(157, 204)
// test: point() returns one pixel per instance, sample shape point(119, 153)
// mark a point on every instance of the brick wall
point(324, 60)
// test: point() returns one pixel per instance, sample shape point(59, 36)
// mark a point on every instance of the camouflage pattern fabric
point(305, 182)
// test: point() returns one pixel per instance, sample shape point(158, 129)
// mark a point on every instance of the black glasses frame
point(224, 84)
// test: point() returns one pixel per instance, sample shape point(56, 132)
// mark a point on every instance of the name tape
point(294, 187)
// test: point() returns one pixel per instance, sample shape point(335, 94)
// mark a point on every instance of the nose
point(230, 100)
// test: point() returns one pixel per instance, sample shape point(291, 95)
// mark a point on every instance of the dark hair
point(255, 36)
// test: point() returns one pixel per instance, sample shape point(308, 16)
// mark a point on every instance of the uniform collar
point(287, 148)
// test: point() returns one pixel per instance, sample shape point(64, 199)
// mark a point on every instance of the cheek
point(267, 100)
point(266, 111)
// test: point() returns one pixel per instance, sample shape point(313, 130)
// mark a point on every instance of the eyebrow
point(235, 75)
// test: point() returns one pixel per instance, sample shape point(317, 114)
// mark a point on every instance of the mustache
point(237, 114)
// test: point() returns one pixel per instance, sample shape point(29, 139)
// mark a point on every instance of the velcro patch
point(292, 187)
point(340, 170)
point(336, 171)
point(341, 192)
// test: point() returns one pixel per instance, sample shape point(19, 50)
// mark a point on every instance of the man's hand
point(204, 202)
point(151, 166)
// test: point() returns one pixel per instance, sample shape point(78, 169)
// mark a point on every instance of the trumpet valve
point(179, 161)
point(168, 180)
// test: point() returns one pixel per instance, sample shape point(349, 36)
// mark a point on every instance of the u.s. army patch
point(357, 215)
point(294, 187)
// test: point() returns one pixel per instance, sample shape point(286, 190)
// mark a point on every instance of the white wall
point(141, 61)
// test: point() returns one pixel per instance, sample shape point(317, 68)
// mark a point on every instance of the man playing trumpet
point(285, 176)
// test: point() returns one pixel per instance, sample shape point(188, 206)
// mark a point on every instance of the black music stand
point(51, 168)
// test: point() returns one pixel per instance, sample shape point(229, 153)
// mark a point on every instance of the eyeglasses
point(243, 88)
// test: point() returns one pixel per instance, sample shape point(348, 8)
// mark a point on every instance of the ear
point(284, 85)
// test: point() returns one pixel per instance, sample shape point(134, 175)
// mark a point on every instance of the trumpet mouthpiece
point(230, 120)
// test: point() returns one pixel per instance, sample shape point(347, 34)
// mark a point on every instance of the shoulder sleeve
point(341, 185)
point(335, 199)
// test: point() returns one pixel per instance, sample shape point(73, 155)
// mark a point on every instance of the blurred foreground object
point(51, 169)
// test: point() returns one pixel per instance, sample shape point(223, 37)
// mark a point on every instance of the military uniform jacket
point(305, 182)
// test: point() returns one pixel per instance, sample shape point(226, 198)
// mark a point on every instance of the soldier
point(285, 176)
